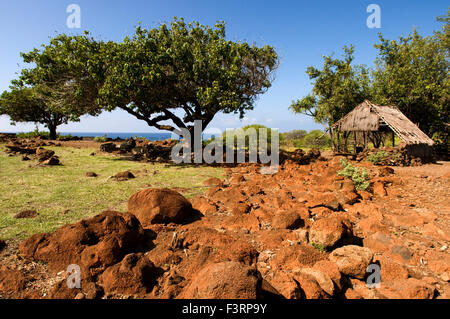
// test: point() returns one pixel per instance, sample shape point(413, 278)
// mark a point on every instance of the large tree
point(173, 75)
point(412, 73)
point(61, 86)
point(24, 104)
point(338, 87)
point(168, 76)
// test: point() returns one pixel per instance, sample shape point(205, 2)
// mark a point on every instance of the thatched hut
point(370, 122)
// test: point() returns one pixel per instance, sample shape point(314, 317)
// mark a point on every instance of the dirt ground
point(304, 232)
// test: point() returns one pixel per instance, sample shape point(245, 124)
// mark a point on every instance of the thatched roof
point(370, 117)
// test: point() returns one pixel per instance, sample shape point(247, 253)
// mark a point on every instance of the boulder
point(43, 154)
point(159, 206)
point(352, 260)
point(123, 176)
point(309, 287)
point(322, 278)
point(135, 274)
point(285, 285)
point(94, 244)
point(332, 270)
point(379, 189)
point(287, 220)
point(128, 145)
point(11, 280)
point(328, 231)
point(213, 181)
point(54, 160)
point(224, 280)
point(108, 147)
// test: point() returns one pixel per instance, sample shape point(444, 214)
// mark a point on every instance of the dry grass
point(63, 194)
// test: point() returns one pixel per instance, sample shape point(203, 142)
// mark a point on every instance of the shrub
point(34, 134)
point(358, 175)
point(241, 132)
point(319, 247)
point(377, 158)
point(100, 139)
point(316, 138)
point(295, 135)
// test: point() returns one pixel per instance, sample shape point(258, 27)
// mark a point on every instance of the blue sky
point(301, 32)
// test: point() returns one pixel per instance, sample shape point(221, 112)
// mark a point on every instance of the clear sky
point(301, 32)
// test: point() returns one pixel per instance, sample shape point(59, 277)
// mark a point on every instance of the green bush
point(100, 139)
point(294, 135)
point(377, 158)
point(358, 175)
point(241, 132)
point(316, 138)
point(34, 134)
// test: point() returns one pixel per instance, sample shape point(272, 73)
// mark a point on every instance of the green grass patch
point(63, 194)
point(358, 175)
point(319, 247)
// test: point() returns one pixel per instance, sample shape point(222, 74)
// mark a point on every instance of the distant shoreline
point(118, 135)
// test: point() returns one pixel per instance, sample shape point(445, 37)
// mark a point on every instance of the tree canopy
point(58, 88)
point(24, 104)
point(190, 69)
point(338, 87)
point(167, 76)
point(412, 73)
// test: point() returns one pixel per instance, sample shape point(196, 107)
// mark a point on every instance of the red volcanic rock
point(332, 270)
point(378, 189)
point(159, 206)
point(309, 287)
point(11, 280)
point(93, 244)
point(352, 260)
point(213, 181)
point(410, 288)
point(225, 280)
point(123, 176)
point(135, 274)
point(328, 231)
point(287, 220)
point(203, 205)
point(26, 214)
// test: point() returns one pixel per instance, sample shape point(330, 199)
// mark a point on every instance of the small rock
point(26, 214)
point(328, 231)
point(352, 260)
point(123, 176)
point(91, 174)
point(402, 251)
point(287, 220)
point(80, 295)
point(2, 244)
point(54, 160)
point(213, 181)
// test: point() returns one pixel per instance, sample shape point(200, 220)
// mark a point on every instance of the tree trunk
point(52, 129)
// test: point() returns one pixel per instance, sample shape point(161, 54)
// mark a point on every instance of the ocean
point(149, 136)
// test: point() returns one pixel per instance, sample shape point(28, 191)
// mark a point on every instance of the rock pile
point(303, 232)
point(158, 151)
point(394, 156)
point(35, 149)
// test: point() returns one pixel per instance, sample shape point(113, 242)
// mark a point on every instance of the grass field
point(63, 194)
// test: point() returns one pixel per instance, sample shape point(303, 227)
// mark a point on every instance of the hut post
point(393, 139)
point(365, 139)
point(331, 136)
point(338, 141)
